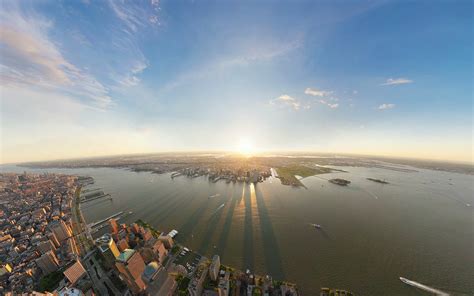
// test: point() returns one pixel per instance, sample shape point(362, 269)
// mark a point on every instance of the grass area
point(143, 224)
point(210, 284)
point(175, 249)
point(288, 174)
point(50, 282)
point(183, 283)
point(257, 291)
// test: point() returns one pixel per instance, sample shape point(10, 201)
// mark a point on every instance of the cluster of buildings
point(228, 174)
point(44, 247)
point(35, 228)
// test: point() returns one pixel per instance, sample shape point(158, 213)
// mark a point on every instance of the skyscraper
point(131, 266)
point(48, 262)
point(214, 268)
point(60, 230)
point(114, 227)
point(46, 246)
point(108, 249)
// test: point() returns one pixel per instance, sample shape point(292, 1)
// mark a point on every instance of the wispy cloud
point(326, 98)
point(132, 79)
point(395, 81)
point(266, 52)
point(316, 92)
point(244, 57)
point(329, 104)
point(31, 59)
point(386, 106)
point(288, 101)
point(136, 14)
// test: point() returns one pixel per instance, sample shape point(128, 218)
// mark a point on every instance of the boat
point(423, 287)
point(316, 225)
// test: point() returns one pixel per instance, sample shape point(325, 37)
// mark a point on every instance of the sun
point(246, 147)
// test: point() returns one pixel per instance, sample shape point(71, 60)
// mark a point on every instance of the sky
point(92, 78)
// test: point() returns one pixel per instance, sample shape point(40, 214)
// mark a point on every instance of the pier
point(97, 197)
point(90, 190)
point(105, 220)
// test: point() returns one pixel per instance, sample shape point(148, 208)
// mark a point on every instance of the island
point(287, 174)
point(340, 182)
point(378, 181)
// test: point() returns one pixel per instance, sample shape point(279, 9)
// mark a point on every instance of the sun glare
point(245, 147)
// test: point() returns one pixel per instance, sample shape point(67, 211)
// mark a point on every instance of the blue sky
point(86, 78)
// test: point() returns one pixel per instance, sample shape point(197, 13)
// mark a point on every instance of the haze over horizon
point(85, 78)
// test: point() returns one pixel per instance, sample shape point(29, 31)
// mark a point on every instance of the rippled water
point(418, 226)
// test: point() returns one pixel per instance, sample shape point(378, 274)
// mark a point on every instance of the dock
point(105, 220)
point(97, 197)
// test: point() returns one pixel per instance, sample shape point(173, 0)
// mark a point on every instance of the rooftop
point(125, 255)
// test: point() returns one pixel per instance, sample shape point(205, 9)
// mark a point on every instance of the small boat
point(316, 225)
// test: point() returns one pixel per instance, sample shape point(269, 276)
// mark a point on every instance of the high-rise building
point(114, 226)
point(123, 245)
point(196, 285)
point(60, 230)
point(167, 240)
point(75, 272)
point(108, 249)
point(151, 272)
point(48, 262)
point(53, 239)
point(130, 264)
point(5, 270)
point(46, 246)
point(214, 268)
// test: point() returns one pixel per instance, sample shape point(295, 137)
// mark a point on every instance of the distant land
point(287, 165)
point(167, 162)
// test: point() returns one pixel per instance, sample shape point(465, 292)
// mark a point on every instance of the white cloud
point(316, 92)
point(386, 106)
point(395, 81)
point(31, 60)
point(288, 101)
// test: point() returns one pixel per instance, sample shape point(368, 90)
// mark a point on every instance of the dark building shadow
point(270, 245)
point(324, 233)
point(221, 244)
point(172, 208)
point(211, 228)
point(248, 259)
point(187, 228)
point(159, 206)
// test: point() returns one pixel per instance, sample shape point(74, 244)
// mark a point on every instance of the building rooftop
point(75, 272)
point(125, 255)
point(150, 270)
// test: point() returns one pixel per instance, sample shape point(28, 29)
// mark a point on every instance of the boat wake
point(423, 287)
point(219, 208)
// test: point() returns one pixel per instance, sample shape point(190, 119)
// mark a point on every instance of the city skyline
point(85, 79)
